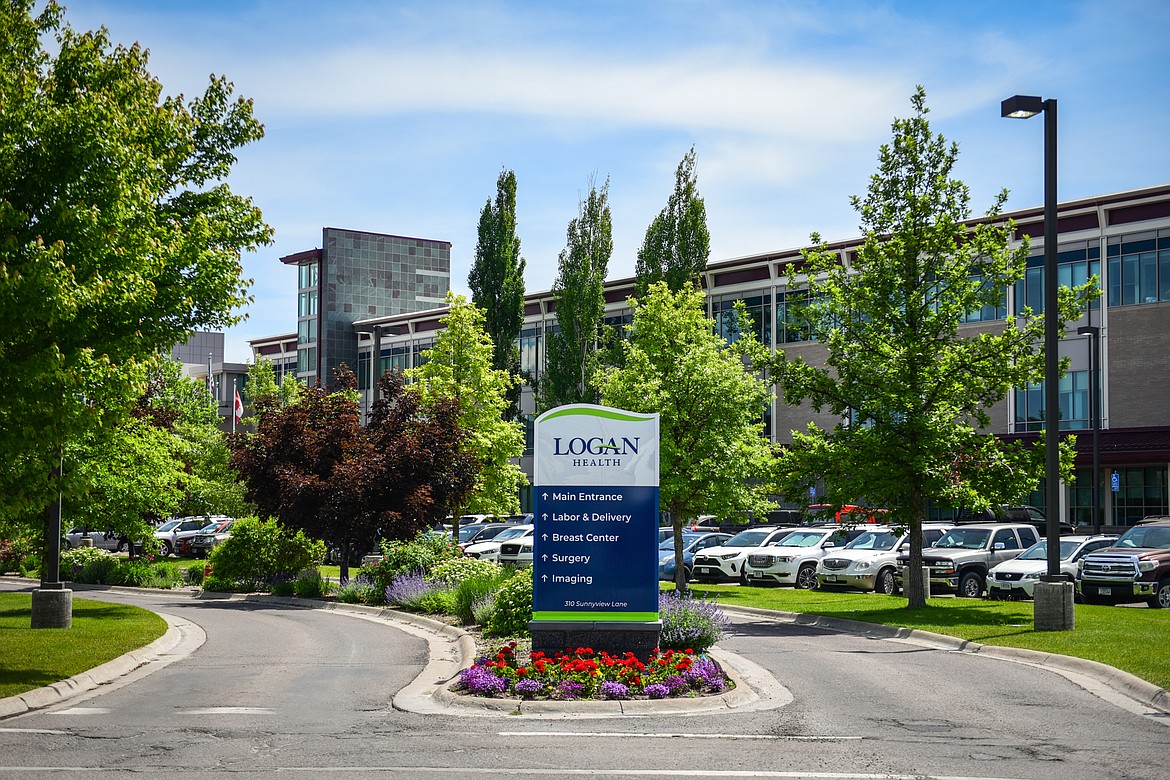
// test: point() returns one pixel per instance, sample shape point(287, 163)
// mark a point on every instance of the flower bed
point(582, 674)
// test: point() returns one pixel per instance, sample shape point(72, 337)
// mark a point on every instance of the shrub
point(359, 590)
point(513, 605)
point(455, 571)
point(259, 551)
point(688, 622)
point(309, 584)
point(194, 575)
point(422, 553)
point(472, 593)
point(218, 584)
point(18, 553)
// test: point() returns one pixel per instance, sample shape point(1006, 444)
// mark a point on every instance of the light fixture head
point(1021, 107)
point(1088, 330)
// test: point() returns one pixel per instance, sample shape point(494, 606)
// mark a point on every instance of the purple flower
point(690, 622)
point(568, 689)
point(675, 684)
point(657, 691)
point(529, 688)
point(480, 682)
point(614, 690)
point(408, 589)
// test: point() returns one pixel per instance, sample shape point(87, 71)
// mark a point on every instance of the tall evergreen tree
point(677, 244)
point(911, 390)
point(580, 304)
point(497, 281)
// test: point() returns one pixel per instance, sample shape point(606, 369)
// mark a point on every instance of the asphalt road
point(279, 692)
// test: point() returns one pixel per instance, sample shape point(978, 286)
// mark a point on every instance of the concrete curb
point(1124, 683)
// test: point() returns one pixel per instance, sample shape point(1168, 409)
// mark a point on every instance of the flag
point(239, 410)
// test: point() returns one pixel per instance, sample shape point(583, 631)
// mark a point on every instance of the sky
point(398, 117)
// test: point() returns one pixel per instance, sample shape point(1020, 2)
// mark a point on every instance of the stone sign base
point(52, 608)
point(1054, 606)
point(614, 637)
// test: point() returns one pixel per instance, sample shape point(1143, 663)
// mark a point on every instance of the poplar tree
point(497, 281)
point(580, 305)
point(677, 244)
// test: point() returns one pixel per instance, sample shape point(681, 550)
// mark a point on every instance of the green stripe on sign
point(627, 417)
point(597, 617)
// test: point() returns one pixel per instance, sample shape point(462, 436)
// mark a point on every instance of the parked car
point(793, 559)
point(960, 560)
point(517, 552)
point(725, 563)
point(1136, 568)
point(693, 543)
point(1011, 514)
point(1017, 578)
point(203, 542)
point(870, 561)
point(103, 540)
point(167, 532)
point(470, 534)
point(490, 550)
point(183, 539)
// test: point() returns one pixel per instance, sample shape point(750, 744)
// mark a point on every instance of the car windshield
point(802, 539)
point(966, 538)
point(688, 540)
point(873, 540)
point(753, 538)
point(1154, 537)
point(510, 533)
point(167, 525)
point(1039, 551)
point(468, 531)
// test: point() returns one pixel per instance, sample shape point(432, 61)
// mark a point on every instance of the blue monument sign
point(595, 556)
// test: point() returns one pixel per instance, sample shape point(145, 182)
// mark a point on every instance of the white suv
point(725, 563)
point(517, 552)
point(870, 562)
point(793, 559)
point(490, 550)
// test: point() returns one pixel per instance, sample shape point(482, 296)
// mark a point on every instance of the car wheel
point(688, 575)
point(886, 583)
point(121, 547)
point(971, 585)
point(1161, 599)
point(806, 578)
point(743, 578)
point(166, 548)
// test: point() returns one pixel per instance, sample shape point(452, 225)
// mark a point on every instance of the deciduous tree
point(580, 305)
point(459, 367)
point(911, 390)
point(713, 452)
point(497, 281)
point(117, 234)
point(677, 244)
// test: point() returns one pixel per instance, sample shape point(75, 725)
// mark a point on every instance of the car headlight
point(862, 565)
point(784, 558)
point(1147, 565)
point(1032, 576)
point(726, 556)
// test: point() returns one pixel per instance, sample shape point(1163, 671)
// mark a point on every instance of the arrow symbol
point(544, 496)
point(544, 537)
point(544, 557)
point(544, 516)
point(544, 577)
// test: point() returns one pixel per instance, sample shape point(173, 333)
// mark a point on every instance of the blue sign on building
point(595, 556)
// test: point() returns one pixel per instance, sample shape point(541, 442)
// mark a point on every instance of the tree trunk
point(344, 576)
point(680, 572)
point(913, 584)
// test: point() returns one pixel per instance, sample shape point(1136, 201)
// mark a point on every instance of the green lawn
point(1132, 639)
point(101, 632)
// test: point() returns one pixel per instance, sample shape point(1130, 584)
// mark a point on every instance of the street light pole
point(1024, 107)
point(1094, 334)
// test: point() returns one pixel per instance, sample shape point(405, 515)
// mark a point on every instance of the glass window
point(791, 323)
point(307, 275)
point(529, 343)
point(1139, 270)
point(306, 331)
point(1074, 267)
point(1142, 493)
point(1073, 396)
point(307, 304)
point(1006, 538)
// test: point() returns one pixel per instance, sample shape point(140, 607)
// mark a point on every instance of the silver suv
point(870, 562)
point(793, 559)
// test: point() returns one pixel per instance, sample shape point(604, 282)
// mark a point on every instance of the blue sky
point(397, 117)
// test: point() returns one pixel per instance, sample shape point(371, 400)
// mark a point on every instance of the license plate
point(829, 577)
point(1105, 591)
point(702, 569)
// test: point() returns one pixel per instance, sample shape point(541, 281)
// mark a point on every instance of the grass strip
point(1132, 639)
point(101, 632)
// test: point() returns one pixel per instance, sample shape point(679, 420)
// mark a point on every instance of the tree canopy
point(912, 391)
point(118, 235)
point(497, 281)
point(714, 454)
point(459, 367)
point(314, 466)
point(677, 244)
point(580, 305)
